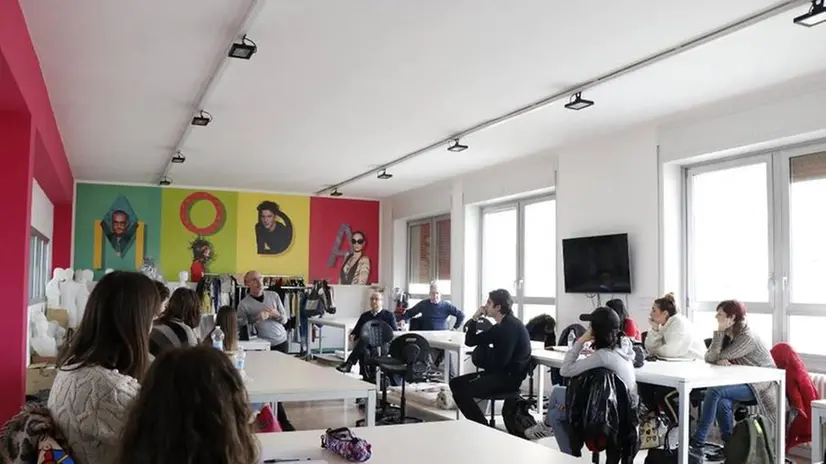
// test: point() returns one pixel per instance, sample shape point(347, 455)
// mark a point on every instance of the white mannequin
point(109, 271)
point(68, 297)
point(53, 288)
point(82, 295)
point(183, 281)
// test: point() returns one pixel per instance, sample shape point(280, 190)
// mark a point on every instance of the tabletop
point(275, 373)
point(254, 345)
point(392, 445)
point(698, 373)
point(340, 322)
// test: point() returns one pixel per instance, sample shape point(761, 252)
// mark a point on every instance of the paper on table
point(293, 461)
point(677, 359)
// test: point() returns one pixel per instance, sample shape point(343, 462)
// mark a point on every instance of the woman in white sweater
point(672, 335)
point(99, 371)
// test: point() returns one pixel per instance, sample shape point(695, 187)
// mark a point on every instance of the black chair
point(376, 336)
point(492, 399)
point(409, 355)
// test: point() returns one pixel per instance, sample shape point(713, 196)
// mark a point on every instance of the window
point(755, 233)
point(519, 254)
point(428, 257)
point(39, 264)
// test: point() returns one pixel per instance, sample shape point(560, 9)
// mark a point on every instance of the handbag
point(342, 442)
point(652, 432)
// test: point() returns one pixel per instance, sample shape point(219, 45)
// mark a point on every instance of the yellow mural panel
point(273, 233)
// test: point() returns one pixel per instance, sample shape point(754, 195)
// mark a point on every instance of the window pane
point(729, 244)
point(540, 249)
point(531, 311)
point(419, 246)
point(443, 252)
point(498, 250)
point(805, 333)
point(807, 223)
point(760, 324)
point(429, 248)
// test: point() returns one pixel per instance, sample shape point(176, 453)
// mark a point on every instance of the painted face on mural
point(357, 242)
point(267, 219)
point(120, 225)
point(274, 229)
point(120, 221)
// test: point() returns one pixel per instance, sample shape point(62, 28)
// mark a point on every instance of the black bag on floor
point(517, 417)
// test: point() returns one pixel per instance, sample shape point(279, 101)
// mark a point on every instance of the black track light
point(815, 16)
point(336, 193)
point(243, 50)
point(456, 147)
point(202, 119)
point(165, 180)
point(578, 103)
point(178, 158)
point(384, 175)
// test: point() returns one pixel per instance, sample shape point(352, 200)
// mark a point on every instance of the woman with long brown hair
point(227, 320)
point(175, 327)
point(100, 369)
point(193, 408)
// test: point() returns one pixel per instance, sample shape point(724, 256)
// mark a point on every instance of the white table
point(685, 377)
point(344, 323)
point(254, 345)
point(432, 443)
point(818, 414)
point(277, 377)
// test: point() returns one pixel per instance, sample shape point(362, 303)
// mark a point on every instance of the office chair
point(376, 336)
point(409, 355)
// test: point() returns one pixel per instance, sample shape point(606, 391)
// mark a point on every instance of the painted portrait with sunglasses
point(356, 267)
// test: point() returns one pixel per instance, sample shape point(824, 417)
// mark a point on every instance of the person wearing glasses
point(376, 311)
point(356, 267)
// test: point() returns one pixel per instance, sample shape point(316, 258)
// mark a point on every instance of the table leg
point(540, 393)
point(320, 330)
point(817, 446)
point(371, 408)
point(683, 391)
point(346, 343)
point(780, 432)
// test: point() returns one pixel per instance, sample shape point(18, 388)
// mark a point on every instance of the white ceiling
point(338, 88)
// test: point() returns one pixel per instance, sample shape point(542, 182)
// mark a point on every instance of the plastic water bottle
point(218, 338)
point(571, 338)
point(240, 358)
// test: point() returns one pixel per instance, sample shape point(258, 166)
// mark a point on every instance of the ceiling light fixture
point(456, 147)
point(578, 103)
point(178, 158)
point(336, 193)
point(202, 119)
point(815, 16)
point(384, 175)
point(165, 180)
point(243, 50)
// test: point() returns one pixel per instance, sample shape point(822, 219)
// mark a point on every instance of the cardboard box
point(39, 377)
point(61, 316)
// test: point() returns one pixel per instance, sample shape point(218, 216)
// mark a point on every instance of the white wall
point(628, 182)
point(42, 213)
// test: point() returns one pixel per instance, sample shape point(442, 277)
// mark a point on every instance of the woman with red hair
point(800, 391)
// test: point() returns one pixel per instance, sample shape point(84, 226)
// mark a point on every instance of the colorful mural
point(211, 231)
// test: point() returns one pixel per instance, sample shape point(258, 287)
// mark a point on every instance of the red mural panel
point(344, 240)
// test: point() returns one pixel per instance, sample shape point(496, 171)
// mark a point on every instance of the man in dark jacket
point(504, 354)
point(376, 312)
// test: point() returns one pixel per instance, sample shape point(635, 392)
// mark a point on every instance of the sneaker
point(344, 368)
point(535, 432)
point(696, 451)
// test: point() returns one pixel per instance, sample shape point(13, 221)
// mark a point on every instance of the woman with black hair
point(628, 326)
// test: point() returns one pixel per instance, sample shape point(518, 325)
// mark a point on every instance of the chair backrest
point(376, 333)
point(410, 348)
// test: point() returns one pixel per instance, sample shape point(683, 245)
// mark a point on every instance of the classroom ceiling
point(338, 88)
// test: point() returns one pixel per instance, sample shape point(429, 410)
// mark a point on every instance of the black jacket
point(511, 350)
point(602, 416)
point(542, 328)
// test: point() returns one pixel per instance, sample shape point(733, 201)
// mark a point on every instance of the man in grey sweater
point(264, 310)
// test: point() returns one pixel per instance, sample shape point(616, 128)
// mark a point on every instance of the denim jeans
point(719, 404)
point(557, 419)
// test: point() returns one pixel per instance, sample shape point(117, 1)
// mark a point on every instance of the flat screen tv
point(597, 264)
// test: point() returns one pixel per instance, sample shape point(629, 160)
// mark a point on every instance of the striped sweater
point(170, 334)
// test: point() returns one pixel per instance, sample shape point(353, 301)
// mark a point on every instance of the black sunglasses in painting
point(357, 241)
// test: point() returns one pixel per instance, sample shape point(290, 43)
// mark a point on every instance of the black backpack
point(517, 417)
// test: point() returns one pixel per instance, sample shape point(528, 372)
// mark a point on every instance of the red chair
point(800, 392)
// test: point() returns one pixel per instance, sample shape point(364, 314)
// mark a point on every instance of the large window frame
point(779, 279)
point(434, 253)
point(39, 266)
point(520, 299)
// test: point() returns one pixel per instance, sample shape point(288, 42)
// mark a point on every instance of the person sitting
point(627, 324)
point(800, 391)
point(227, 320)
point(193, 408)
point(98, 372)
point(505, 354)
point(264, 310)
point(734, 344)
point(612, 350)
point(163, 291)
point(376, 311)
point(672, 335)
point(434, 312)
point(174, 328)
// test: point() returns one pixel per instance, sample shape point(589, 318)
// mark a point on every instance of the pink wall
point(31, 149)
